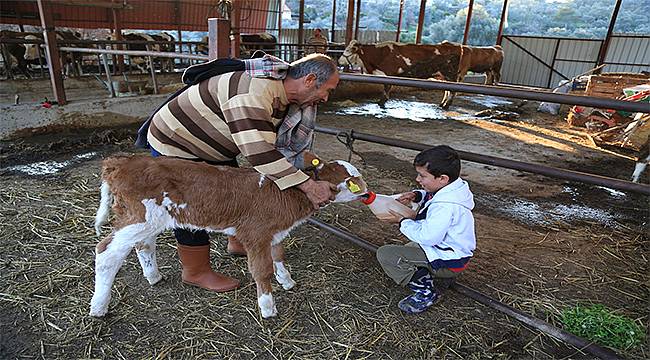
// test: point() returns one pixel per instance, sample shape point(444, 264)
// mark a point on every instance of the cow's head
point(345, 176)
point(31, 50)
point(350, 55)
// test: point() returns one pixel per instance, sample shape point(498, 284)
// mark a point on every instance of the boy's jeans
point(400, 262)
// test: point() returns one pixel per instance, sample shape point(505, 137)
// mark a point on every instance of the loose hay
point(343, 306)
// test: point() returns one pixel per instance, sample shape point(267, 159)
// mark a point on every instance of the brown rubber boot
point(235, 247)
point(197, 270)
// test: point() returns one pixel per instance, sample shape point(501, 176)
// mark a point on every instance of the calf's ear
point(312, 161)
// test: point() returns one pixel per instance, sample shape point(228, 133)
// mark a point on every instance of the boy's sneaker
point(418, 302)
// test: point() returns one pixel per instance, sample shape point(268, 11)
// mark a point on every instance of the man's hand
point(406, 198)
point(318, 192)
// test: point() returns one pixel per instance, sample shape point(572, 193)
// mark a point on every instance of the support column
point(218, 38)
point(399, 20)
point(52, 51)
point(356, 20)
point(301, 29)
point(418, 34)
point(468, 21)
point(235, 29)
point(504, 11)
point(117, 26)
point(350, 22)
point(603, 48)
point(333, 20)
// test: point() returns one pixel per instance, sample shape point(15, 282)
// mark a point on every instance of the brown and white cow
point(140, 62)
point(440, 61)
point(482, 60)
point(150, 195)
point(70, 62)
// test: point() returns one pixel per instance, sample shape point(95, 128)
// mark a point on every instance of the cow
point(249, 44)
point(70, 61)
point(389, 58)
point(482, 60)
point(13, 54)
point(141, 62)
point(150, 195)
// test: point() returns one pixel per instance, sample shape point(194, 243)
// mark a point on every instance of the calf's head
point(342, 174)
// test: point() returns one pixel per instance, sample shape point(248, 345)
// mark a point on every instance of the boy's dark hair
point(440, 160)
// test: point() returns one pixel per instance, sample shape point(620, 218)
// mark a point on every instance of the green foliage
point(445, 19)
point(600, 325)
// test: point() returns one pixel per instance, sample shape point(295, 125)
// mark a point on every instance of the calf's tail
point(104, 209)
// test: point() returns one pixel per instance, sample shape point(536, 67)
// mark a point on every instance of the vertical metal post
point(333, 19)
point(279, 54)
point(504, 11)
point(218, 38)
point(301, 29)
point(40, 60)
point(180, 47)
point(108, 75)
point(99, 64)
point(235, 29)
point(399, 20)
point(468, 21)
point(349, 23)
point(356, 20)
point(51, 51)
point(550, 72)
point(117, 25)
point(418, 33)
point(152, 70)
point(603, 48)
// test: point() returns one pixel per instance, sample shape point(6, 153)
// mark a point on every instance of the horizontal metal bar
point(504, 92)
point(541, 325)
point(172, 55)
point(500, 162)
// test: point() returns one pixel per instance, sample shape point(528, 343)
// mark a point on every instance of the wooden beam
point(51, 51)
point(301, 28)
point(356, 20)
point(350, 22)
point(235, 29)
point(418, 34)
point(468, 21)
point(399, 20)
point(218, 38)
point(603, 48)
point(504, 11)
point(333, 20)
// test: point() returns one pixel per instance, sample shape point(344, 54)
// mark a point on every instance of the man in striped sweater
point(233, 113)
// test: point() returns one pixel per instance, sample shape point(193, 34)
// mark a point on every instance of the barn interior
point(559, 224)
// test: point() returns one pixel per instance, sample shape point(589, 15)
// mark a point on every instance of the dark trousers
point(195, 237)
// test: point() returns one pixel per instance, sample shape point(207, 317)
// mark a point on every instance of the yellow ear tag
point(353, 187)
point(315, 162)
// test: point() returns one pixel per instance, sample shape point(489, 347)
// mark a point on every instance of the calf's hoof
point(267, 306)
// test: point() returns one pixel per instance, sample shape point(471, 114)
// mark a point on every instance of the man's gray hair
point(318, 64)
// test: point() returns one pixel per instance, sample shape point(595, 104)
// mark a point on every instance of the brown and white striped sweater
point(223, 116)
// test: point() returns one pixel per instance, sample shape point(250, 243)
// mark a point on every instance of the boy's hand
point(406, 198)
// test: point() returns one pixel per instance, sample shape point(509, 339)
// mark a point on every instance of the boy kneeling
point(442, 234)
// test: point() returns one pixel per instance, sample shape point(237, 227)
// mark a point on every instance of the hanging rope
point(347, 139)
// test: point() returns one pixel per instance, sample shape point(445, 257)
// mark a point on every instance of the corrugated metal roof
point(187, 15)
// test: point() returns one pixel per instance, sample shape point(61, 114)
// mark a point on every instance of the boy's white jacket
point(447, 232)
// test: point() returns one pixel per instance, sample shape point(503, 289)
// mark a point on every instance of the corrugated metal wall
point(569, 57)
point(186, 15)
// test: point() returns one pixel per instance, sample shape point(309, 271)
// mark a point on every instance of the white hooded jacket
point(447, 231)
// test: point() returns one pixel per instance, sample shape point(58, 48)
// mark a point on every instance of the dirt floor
point(543, 245)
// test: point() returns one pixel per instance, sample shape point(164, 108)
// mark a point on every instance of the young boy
point(442, 234)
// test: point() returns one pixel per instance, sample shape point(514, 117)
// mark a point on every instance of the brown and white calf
point(150, 195)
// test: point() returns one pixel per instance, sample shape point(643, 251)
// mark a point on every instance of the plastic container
point(380, 205)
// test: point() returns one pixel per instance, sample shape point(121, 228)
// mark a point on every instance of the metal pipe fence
point(500, 162)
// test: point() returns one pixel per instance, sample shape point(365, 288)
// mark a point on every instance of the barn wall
point(569, 57)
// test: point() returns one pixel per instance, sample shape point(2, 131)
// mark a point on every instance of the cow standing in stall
point(440, 62)
point(70, 61)
point(13, 54)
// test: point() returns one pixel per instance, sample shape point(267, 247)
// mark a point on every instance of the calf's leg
point(260, 264)
point(109, 261)
point(146, 251)
point(282, 275)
